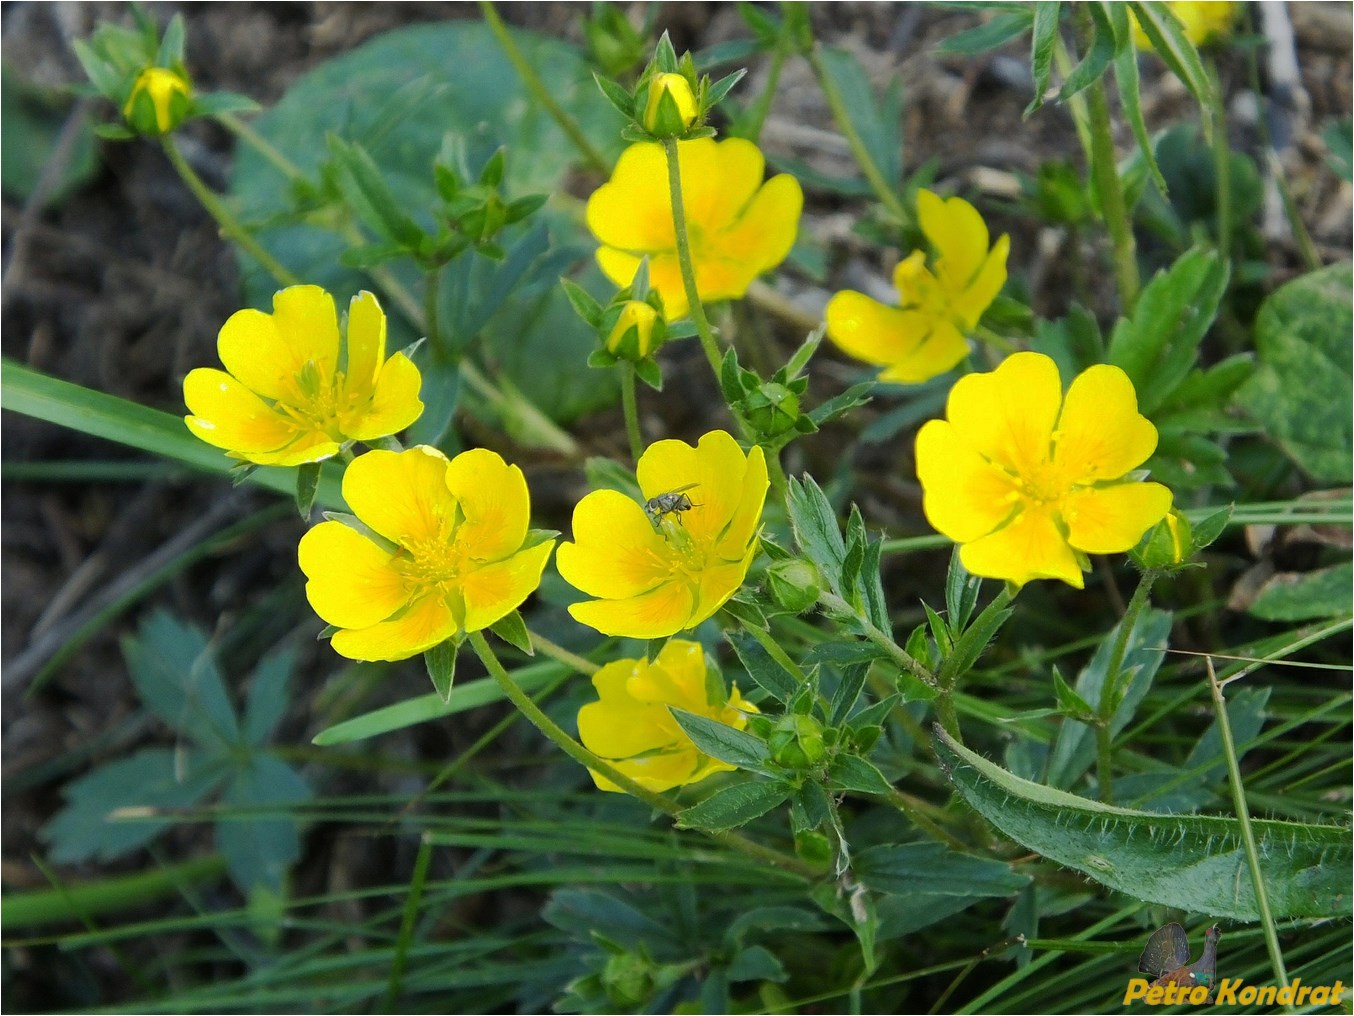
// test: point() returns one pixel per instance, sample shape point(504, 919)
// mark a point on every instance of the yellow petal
point(747, 517)
point(351, 583)
point(615, 552)
point(665, 277)
point(1101, 435)
point(941, 348)
point(228, 415)
point(758, 240)
point(633, 211)
point(267, 351)
point(394, 403)
point(870, 331)
point(664, 771)
point(494, 501)
point(965, 496)
point(959, 235)
point(1008, 415)
point(313, 447)
point(619, 728)
point(493, 591)
point(366, 345)
point(401, 495)
point(681, 663)
point(653, 615)
point(719, 178)
point(1110, 520)
point(713, 471)
point(970, 304)
point(718, 582)
point(426, 623)
point(1029, 548)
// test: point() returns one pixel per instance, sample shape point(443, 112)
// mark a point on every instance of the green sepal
point(241, 473)
point(648, 371)
point(513, 630)
point(1071, 704)
point(602, 359)
point(716, 92)
point(307, 483)
point(616, 95)
point(327, 632)
point(441, 663)
point(585, 305)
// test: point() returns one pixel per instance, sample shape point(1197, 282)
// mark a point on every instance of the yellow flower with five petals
point(631, 727)
point(445, 549)
point(738, 226)
point(1028, 481)
point(655, 575)
point(925, 336)
point(291, 392)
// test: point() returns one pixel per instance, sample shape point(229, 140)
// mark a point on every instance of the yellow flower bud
point(159, 101)
point(674, 117)
point(637, 333)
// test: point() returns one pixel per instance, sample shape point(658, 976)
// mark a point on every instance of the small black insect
point(674, 502)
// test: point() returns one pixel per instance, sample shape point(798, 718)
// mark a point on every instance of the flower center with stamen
point(1042, 484)
point(435, 563)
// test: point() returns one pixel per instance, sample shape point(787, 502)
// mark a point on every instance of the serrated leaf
point(766, 671)
point(259, 849)
point(815, 526)
point(973, 643)
point(851, 772)
point(1188, 862)
point(177, 678)
point(961, 593)
point(730, 807)
point(718, 740)
point(267, 700)
point(1043, 39)
point(876, 121)
point(909, 868)
point(1301, 392)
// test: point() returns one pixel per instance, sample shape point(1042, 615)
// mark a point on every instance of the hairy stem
point(693, 297)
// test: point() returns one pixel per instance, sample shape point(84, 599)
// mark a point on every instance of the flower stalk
point(631, 409)
point(703, 329)
point(1109, 694)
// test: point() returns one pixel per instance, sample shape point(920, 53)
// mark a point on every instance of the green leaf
point(1074, 750)
point(398, 95)
point(177, 678)
point(513, 630)
point(1130, 97)
point(307, 484)
point(1043, 40)
point(756, 963)
point(1071, 704)
point(1301, 391)
point(719, 740)
point(34, 394)
point(851, 772)
point(909, 868)
point(989, 35)
point(370, 196)
point(424, 708)
point(1097, 60)
point(876, 121)
point(974, 642)
point(259, 849)
point(1188, 862)
point(856, 395)
point(734, 806)
point(440, 661)
point(1167, 36)
point(1303, 596)
point(153, 779)
point(267, 700)
point(766, 671)
point(583, 303)
point(815, 526)
point(31, 123)
point(1160, 345)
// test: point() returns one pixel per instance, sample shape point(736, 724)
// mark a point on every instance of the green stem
point(1109, 693)
point(432, 285)
point(539, 92)
point(1222, 175)
point(631, 408)
point(775, 473)
point(751, 126)
point(225, 218)
point(83, 900)
point(245, 132)
point(693, 297)
point(838, 607)
point(1247, 833)
point(410, 916)
point(583, 757)
point(1110, 188)
point(561, 655)
point(883, 190)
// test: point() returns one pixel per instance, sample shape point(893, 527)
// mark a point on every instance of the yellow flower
point(658, 572)
point(1202, 21)
point(1028, 481)
point(925, 336)
point(293, 394)
point(738, 226)
point(635, 330)
point(447, 552)
point(632, 728)
point(159, 100)
point(683, 102)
